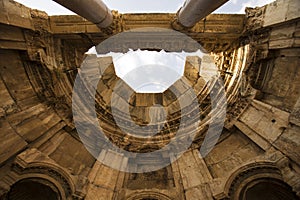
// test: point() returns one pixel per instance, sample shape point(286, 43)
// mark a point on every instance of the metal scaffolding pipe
point(93, 10)
point(194, 10)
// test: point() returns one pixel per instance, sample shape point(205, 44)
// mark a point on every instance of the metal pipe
point(194, 10)
point(93, 10)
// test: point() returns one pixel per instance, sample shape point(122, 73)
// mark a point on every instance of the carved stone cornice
point(255, 18)
point(117, 25)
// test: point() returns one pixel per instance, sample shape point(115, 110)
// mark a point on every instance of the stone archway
point(263, 181)
point(33, 189)
point(148, 196)
point(267, 188)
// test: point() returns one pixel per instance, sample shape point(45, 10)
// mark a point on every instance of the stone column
point(104, 180)
point(195, 175)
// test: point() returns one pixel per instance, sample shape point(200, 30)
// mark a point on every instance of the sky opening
point(149, 71)
point(144, 6)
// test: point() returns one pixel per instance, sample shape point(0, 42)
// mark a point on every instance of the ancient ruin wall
point(258, 55)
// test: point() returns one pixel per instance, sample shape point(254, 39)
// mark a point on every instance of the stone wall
point(257, 56)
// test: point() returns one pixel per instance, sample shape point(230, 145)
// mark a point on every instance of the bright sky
point(145, 71)
point(134, 6)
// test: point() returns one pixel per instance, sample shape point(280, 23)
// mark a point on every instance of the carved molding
point(34, 164)
point(117, 26)
point(255, 18)
point(272, 165)
point(148, 194)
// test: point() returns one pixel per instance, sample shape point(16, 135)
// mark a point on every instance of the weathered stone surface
point(266, 120)
point(238, 150)
point(191, 178)
point(6, 100)
point(15, 14)
point(39, 60)
point(9, 139)
point(281, 11)
point(200, 192)
point(289, 143)
point(98, 193)
point(295, 115)
point(73, 155)
point(255, 137)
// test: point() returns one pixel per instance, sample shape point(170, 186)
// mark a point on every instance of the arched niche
point(259, 181)
point(33, 189)
point(267, 188)
point(40, 172)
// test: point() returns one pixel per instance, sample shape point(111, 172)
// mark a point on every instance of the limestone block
point(49, 118)
point(48, 135)
point(187, 98)
point(289, 143)
point(106, 177)
point(16, 14)
point(276, 12)
point(281, 11)
point(114, 159)
point(106, 96)
point(280, 81)
point(168, 97)
point(282, 37)
point(120, 102)
point(40, 111)
point(98, 193)
point(295, 115)
point(200, 192)
point(145, 99)
point(232, 144)
point(283, 32)
point(292, 96)
point(296, 42)
point(208, 68)
point(281, 43)
point(174, 107)
point(192, 68)
point(266, 120)
point(52, 144)
point(193, 170)
point(29, 102)
point(67, 24)
point(31, 129)
point(252, 135)
point(11, 33)
point(181, 86)
point(140, 113)
point(199, 86)
point(230, 154)
point(124, 90)
point(12, 71)
point(3, 14)
point(103, 176)
point(9, 139)
point(13, 45)
point(6, 99)
point(101, 86)
point(106, 65)
point(91, 28)
point(72, 154)
point(293, 9)
point(90, 68)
